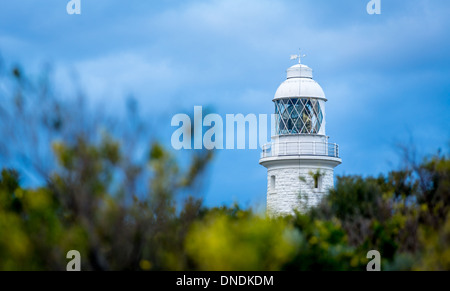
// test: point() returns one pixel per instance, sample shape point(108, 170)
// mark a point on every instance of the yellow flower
point(18, 193)
point(145, 265)
point(313, 240)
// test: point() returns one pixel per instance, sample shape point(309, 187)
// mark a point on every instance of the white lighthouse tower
point(300, 161)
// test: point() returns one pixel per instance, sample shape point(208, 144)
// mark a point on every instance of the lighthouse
point(300, 159)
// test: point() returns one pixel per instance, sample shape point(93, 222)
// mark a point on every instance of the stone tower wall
point(293, 192)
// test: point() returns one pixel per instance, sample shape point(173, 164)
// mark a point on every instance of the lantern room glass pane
point(298, 115)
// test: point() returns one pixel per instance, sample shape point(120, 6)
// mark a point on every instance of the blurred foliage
point(128, 211)
point(243, 241)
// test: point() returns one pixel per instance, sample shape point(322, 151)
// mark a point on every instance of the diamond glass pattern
point(298, 115)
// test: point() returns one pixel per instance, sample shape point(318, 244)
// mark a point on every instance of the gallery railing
point(300, 149)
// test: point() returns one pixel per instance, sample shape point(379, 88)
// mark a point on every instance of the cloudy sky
point(386, 76)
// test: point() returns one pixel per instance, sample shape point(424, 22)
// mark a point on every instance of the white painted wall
point(290, 192)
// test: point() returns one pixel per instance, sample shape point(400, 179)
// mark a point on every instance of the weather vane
point(299, 56)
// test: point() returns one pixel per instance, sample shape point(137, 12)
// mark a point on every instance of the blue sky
point(386, 76)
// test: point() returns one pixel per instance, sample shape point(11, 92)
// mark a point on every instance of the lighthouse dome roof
point(299, 84)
